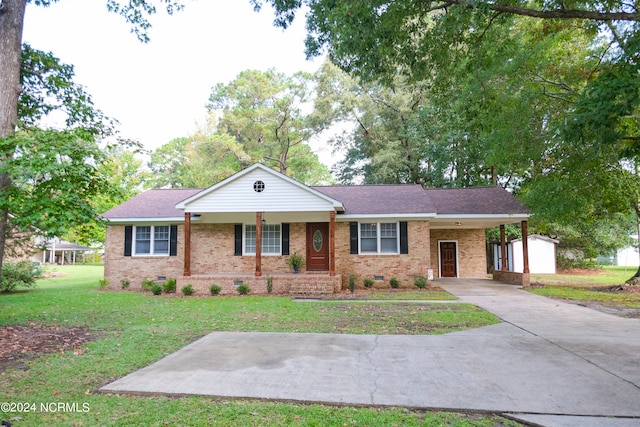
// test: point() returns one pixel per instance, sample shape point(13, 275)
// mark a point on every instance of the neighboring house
point(243, 229)
point(57, 251)
point(33, 246)
point(542, 255)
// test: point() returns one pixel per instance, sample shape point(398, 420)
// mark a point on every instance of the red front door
point(317, 246)
point(448, 264)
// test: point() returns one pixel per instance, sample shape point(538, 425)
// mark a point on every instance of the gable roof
point(152, 204)
point(409, 200)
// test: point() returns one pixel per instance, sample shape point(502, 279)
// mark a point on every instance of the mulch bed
point(20, 343)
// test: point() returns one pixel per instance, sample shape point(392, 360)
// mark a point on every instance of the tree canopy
point(48, 175)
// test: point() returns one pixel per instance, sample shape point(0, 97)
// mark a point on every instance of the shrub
point(103, 284)
point(156, 289)
point(421, 282)
point(215, 289)
point(269, 284)
point(187, 290)
point(296, 261)
point(244, 289)
point(147, 284)
point(368, 282)
point(125, 284)
point(21, 274)
point(352, 283)
point(395, 283)
point(169, 287)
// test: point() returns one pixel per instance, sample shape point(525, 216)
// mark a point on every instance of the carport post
point(503, 248)
point(187, 243)
point(525, 247)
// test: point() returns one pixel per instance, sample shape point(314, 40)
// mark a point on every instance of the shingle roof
point(475, 200)
point(157, 203)
point(380, 199)
point(357, 200)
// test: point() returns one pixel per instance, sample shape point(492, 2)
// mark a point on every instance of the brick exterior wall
point(405, 267)
point(472, 258)
point(135, 269)
point(213, 260)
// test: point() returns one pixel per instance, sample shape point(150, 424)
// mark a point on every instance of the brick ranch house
point(244, 228)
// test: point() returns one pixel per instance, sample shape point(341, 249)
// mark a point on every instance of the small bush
point(169, 287)
point(156, 289)
point(395, 283)
point(124, 284)
point(103, 284)
point(368, 282)
point(215, 289)
point(22, 274)
point(187, 290)
point(421, 282)
point(147, 284)
point(269, 284)
point(352, 283)
point(244, 289)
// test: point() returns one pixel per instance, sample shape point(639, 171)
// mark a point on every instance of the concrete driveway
point(548, 363)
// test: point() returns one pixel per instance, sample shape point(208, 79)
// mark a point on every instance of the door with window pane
point(318, 246)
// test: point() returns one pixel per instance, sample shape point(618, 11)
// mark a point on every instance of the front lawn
point(131, 330)
point(598, 289)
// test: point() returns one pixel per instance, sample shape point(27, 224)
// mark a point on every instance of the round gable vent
point(258, 186)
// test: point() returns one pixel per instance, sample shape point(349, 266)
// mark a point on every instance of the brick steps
point(310, 290)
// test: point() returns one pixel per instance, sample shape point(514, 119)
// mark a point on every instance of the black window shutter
point(128, 239)
point(285, 239)
point(173, 240)
point(404, 238)
point(353, 235)
point(238, 240)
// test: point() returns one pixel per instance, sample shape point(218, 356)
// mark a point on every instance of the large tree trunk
point(11, 24)
point(635, 280)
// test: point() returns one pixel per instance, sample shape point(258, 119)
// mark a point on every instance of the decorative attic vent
point(258, 186)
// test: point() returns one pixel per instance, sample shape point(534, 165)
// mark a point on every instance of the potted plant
point(296, 261)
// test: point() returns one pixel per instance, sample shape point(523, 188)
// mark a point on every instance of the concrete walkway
point(548, 363)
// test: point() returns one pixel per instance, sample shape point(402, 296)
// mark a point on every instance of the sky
point(158, 91)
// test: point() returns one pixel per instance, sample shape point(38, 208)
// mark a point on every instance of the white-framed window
point(271, 239)
point(151, 240)
point(379, 238)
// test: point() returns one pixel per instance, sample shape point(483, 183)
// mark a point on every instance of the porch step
point(307, 290)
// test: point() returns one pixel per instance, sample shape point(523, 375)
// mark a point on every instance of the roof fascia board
point(396, 217)
point(145, 220)
point(481, 216)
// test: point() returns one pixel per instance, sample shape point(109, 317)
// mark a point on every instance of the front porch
point(300, 285)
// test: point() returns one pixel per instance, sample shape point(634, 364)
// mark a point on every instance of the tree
point(265, 113)
point(420, 38)
point(384, 144)
point(122, 174)
point(69, 166)
point(372, 38)
point(209, 156)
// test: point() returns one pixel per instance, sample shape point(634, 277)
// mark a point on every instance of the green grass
point(619, 300)
point(590, 287)
point(401, 295)
point(134, 329)
point(606, 276)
